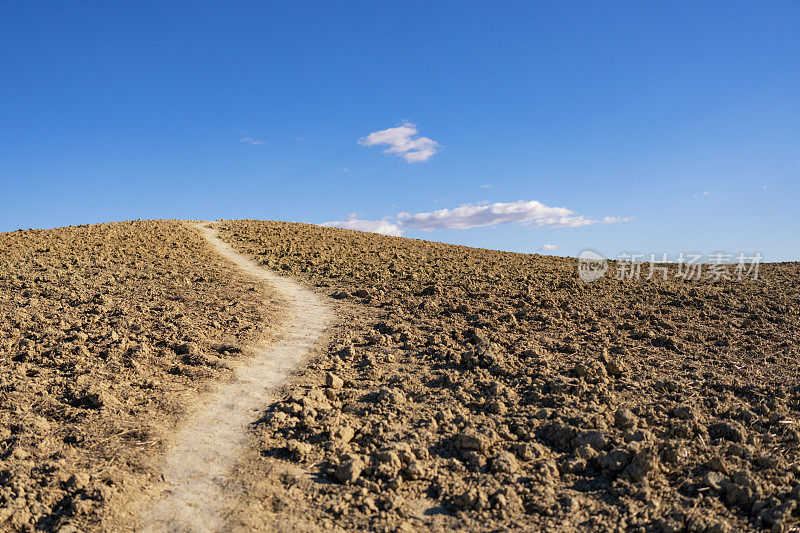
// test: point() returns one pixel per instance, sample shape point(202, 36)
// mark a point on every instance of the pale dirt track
point(204, 449)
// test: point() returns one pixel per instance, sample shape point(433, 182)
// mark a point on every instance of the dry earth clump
point(486, 390)
point(106, 333)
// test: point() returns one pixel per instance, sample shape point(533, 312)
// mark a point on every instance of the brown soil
point(463, 388)
point(106, 333)
point(484, 390)
point(214, 433)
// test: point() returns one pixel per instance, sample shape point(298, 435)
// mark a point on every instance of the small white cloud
point(702, 195)
point(402, 141)
point(251, 141)
point(548, 247)
point(345, 169)
point(486, 186)
point(384, 227)
point(567, 221)
point(763, 186)
point(615, 220)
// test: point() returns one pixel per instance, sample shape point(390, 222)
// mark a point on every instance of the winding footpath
point(211, 439)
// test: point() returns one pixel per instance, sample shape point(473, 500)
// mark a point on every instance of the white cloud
point(251, 141)
point(704, 194)
point(529, 213)
point(615, 220)
point(475, 216)
point(563, 221)
point(352, 221)
point(486, 186)
point(548, 247)
point(402, 142)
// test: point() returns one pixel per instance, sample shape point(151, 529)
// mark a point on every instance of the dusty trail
point(211, 439)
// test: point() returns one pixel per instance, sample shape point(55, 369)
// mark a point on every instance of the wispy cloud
point(475, 216)
point(486, 186)
point(403, 142)
point(528, 213)
point(548, 247)
point(615, 220)
point(702, 195)
point(351, 221)
point(251, 141)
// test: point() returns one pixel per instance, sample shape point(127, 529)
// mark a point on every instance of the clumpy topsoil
point(462, 388)
point(483, 390)
point(106, 333)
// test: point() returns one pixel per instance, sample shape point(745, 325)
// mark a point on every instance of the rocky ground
point(462, 388)
point(484, 390)
point(106, 332)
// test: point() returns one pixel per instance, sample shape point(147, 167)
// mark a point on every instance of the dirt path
point(211, 439)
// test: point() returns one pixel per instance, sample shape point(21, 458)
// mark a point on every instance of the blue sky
point(684, 116)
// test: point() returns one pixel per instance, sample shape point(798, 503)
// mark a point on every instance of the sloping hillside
point(462, 388)
point(106, 332)
point(480, 389)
